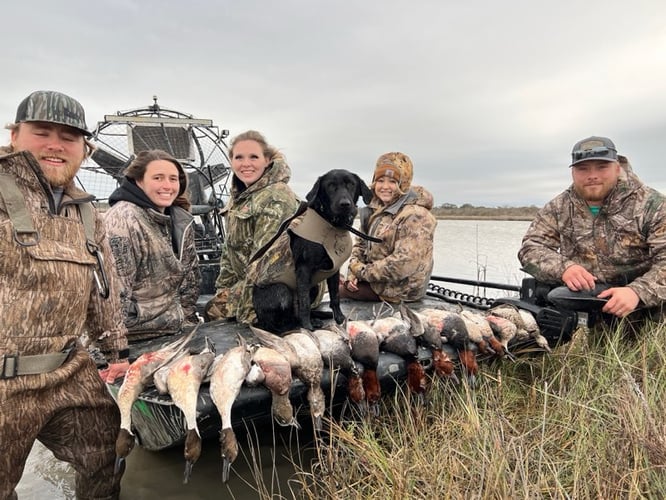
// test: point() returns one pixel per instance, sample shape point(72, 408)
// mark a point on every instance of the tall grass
point(587, 421)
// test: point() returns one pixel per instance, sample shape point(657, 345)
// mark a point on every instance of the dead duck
point(335, 348)
point(486, 331)
point(431, 338)
point(306, 363)
point(505, 331)
point(512, 313)
point(276, 376)
point(227, 374)
point(365, 350)
point(454, 331)
point(474, 330)
point(397, 337)
point(182, 379)
point(533, 329)
point(139, 375)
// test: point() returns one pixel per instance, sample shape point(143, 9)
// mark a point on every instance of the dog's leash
point(300, 210)
point(360, 234)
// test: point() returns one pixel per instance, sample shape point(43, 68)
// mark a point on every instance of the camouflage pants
point(236, 303)
point(232, 303)
point(71, 412)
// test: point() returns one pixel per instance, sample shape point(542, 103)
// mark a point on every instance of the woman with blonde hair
point(260, 200)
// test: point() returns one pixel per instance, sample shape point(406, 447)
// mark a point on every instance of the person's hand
point(114, 371)
point(578, 278)
point(351, 283)
point(356, 268)
point(621, 301)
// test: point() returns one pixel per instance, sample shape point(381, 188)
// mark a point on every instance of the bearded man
point(605, 235)
point(56, 283)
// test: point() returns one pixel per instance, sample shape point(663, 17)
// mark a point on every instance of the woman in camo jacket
point(151, 233)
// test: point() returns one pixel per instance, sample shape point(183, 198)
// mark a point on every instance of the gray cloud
point(486, 97)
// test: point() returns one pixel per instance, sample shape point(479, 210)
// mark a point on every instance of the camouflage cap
point(54, 107)
point(398, 166)
point(593, 148)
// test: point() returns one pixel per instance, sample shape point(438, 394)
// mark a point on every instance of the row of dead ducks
point(354, 351)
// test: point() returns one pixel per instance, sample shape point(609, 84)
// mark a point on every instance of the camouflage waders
point(71, 412)
point(50, 390)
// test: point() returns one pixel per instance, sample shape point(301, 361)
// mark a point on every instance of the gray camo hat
point(593, 148)
point(54, 107)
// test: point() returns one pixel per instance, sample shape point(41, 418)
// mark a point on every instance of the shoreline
point(526, 218)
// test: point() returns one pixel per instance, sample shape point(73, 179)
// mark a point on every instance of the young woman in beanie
point(151, 233)
point(399, 268)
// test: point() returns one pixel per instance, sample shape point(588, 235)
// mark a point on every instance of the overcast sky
point(487, 97)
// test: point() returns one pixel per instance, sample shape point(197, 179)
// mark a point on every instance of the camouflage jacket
point(399, 268)
point(625, 244)
point(253, 216)
point(159, 285)
point(48, 295)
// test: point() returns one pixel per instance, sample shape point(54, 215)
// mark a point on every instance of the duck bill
point(119, 466)
point(509, 355)
point(188, 471)
point(294, 423)
point(226, 469)
point(317, 423)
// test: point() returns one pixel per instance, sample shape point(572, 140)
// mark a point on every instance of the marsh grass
point(587, 421)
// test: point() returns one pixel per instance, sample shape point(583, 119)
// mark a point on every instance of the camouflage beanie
point(53, 107)
point(397, 166)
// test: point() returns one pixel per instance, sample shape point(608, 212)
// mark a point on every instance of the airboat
point(200, 146)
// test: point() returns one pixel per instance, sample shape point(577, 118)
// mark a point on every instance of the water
point(483, 250)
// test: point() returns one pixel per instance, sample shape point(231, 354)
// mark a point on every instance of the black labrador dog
point(320, 243)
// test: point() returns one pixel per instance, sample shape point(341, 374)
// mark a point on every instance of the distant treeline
point(467, 211)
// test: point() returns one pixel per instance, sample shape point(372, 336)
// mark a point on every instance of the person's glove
point(216, 308)
point(356, 268)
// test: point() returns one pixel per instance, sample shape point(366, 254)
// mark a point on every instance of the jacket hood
point(417, 195)
point(129, 191)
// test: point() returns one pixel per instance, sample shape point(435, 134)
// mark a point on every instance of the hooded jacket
point(623, 245)
point(253, 216)
point(399, 268)
point(157, 262)
point(48, 295)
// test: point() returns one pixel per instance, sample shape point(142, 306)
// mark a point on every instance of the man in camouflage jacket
point(607, 227)
point(254, 215)
point(50, 389)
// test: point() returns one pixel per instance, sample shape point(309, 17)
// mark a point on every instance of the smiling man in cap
point(54, 287)
point(607, 230)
